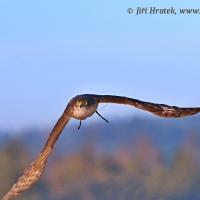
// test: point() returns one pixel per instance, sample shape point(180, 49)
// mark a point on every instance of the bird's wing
point(32, 174)
point(161, 110)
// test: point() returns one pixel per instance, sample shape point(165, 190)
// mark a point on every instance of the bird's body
point(82, 107)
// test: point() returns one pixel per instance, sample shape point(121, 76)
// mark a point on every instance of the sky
point(51, 51)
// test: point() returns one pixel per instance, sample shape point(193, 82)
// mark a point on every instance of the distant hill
point(166, 134)
point(133, 158)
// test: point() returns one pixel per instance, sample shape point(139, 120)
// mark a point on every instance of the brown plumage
point(81, 107)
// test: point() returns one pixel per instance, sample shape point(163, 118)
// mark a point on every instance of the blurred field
point(136, 167)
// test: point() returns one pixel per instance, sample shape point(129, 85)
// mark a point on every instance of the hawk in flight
point(81, 107)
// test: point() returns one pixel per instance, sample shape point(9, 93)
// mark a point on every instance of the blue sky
point(53, 50)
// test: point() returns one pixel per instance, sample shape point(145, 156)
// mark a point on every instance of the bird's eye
point(78, 103)
point(81, 103)
point(84, 103)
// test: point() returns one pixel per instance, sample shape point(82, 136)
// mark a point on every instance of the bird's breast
point(82, 113)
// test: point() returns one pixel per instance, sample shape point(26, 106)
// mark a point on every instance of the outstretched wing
point(161, 110)
point(32, 174)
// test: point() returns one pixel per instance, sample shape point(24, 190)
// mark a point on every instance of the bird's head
point(82, 106)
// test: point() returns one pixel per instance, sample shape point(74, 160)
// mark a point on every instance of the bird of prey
point(81, 107)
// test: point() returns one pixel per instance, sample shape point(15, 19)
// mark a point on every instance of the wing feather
point(161, 110)
point(32, 174)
